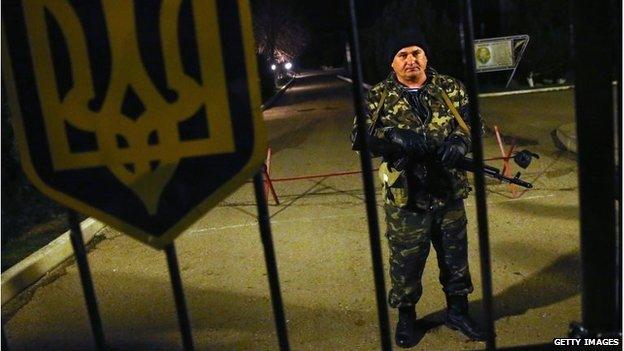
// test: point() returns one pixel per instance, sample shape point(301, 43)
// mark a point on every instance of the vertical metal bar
point(467, 38)
point(596, 156)
point(269, 258)
point(369, 185)
point(617, 115)
point(5, 344)
point(85, 277)
point(178, 294)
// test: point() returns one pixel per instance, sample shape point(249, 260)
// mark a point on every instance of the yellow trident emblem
point(144, 151)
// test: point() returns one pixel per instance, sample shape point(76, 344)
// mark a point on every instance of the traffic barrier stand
point(506, 169)
point(268, 183)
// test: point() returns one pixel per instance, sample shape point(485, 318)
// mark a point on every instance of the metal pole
point(467, 39)
point(5, 344)
point(269, 258)
point(618, 116)
point(593, 33)
point(369, 185)
point(180, 301)
point(85, 277)
point(519, 57)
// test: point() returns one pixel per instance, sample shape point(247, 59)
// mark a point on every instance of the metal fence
point(600, 240)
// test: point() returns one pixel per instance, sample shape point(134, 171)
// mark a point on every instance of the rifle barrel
point(467, 164)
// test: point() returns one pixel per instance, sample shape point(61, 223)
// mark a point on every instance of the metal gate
point(597, 107)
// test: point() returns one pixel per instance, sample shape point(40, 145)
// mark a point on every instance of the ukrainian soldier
point(412, 126)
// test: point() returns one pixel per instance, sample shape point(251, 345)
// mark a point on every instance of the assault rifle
point(468, 164)
point(522, 159)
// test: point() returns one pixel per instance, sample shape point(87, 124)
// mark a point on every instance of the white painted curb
point(32, 268)
point(566, 134)
point(527, 91)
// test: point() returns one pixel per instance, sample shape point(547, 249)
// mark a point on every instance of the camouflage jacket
point(425, 184)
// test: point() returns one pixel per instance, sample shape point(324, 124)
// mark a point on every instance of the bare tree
point(279, 31)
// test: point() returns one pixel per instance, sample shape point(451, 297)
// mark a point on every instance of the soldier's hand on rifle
point(414, 144)
point(451, 151)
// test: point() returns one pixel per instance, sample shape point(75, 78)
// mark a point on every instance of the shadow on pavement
point(554, 283)
point(569, 212)
point(140, 315)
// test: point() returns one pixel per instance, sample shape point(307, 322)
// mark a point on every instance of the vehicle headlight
point(288, 65)
point(273, 67)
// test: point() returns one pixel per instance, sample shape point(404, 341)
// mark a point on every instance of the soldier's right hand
point(412, 143)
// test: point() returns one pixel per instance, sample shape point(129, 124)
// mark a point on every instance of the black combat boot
point(457, 318)
point(405, 334)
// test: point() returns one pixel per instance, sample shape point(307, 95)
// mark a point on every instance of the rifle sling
point(451, 107)
point(376, 113)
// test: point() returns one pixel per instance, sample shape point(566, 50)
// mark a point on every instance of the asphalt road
point(322, 249)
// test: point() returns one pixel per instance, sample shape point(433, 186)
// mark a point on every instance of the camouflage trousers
point(409, 236)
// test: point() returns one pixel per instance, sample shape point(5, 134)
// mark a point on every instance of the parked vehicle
point(282, 72)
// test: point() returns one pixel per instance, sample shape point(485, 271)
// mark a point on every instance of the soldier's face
point(410, 63)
